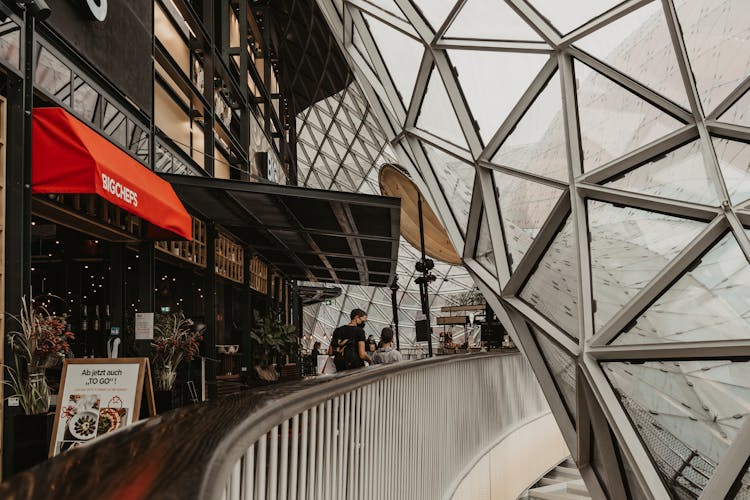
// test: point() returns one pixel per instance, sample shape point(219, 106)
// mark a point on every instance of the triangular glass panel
point(552, 288)
point(709, 302)
point(680, 174)
point(739, 113)
point(524, 206)
point(613, 120)
point(435, 11)
point(436, 114)
point(639, 45)
point(490, 20)
point(484, 253)
point(569, 15)
point(734, 161)
point(537, 143)
point(388, 6)
point(718, 45)
point(493, 82)
point(687, 414)
point(456, 179)
point(402, 55)
point(629, 247)
point(562, 367)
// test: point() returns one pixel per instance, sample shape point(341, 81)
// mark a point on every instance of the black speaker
point(423, 330)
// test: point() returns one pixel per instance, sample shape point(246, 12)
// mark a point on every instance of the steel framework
point(604, 145)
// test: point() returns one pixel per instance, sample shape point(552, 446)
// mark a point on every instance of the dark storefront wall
point(118, 47)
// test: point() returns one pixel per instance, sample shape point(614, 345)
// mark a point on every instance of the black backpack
point(345, 354)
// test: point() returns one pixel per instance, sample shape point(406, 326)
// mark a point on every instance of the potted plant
point(41, 343)
point(271, 339)
point(175, 340)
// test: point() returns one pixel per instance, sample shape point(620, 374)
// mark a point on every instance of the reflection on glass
point(484, 252)
point(680, 174)
point(639, 45)
point(567, 16)
point(562, 367)
point(490, 20)
point(456, 179)
point(537, 143)
point(524, 206)
point(718, 44)
point(629, 247)
point(739, 113)
point(734, 161)
point(10, 43)
point(114, 123)
point(710, 302)
point(401, 55)
point(552, 288)
point(138, 141)
point(53, 75)
point(436, 114)
point(491, 90)
point(85, 98)
point(613, 120)
point(687, 413)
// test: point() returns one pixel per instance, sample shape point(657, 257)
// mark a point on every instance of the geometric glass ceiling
point(341, 147)
point(599, 153)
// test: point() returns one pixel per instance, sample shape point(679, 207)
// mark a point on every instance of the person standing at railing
point(387, 352)
point(348, 343)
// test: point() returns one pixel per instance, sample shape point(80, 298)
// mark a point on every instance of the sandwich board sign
point(99, 396)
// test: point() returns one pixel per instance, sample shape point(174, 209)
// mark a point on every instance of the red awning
point(70, 157)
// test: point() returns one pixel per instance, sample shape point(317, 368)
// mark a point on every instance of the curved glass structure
point(341, 147)
point(591, 159)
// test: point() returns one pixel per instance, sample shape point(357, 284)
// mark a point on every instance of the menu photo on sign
point(98, 396)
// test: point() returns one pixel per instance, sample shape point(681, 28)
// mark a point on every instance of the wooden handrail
point(187, 453)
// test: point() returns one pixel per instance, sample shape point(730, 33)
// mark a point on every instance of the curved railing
point(398, 431)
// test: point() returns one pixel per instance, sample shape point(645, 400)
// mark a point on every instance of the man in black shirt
point(348, 343)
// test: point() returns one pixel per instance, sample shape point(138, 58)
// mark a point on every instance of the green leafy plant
point(271, 338)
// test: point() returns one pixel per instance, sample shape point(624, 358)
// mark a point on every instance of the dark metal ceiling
point(312, 66)
point(308, 234)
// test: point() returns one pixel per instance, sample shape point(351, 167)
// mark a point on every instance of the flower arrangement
point(43, 342)
point(175, 339)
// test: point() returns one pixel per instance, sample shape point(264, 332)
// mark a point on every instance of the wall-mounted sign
point(99, 396)
point(98, 9)
point(144, 326)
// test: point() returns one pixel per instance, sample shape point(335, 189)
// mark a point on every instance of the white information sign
point(98, 396)
point(144, 326)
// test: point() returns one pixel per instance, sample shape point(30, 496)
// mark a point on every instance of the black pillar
point(116, 292)
point(209, 338)
point(246, 317)
point(146, 293)
point(394, 306)
point(20, 93)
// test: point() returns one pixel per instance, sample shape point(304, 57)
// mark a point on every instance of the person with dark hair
point(387, 352)
point(371, 345)
point(348, 343)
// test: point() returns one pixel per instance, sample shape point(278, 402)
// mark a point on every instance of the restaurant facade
point(97, 100)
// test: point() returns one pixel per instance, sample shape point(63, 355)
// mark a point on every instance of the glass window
point(10, 43)
point(680, 174)
point(552, 288)
point(85, 99)
point(53, 76)
point(709, 302)
point(562, 367)
point(524, 207)
point(629, 247)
